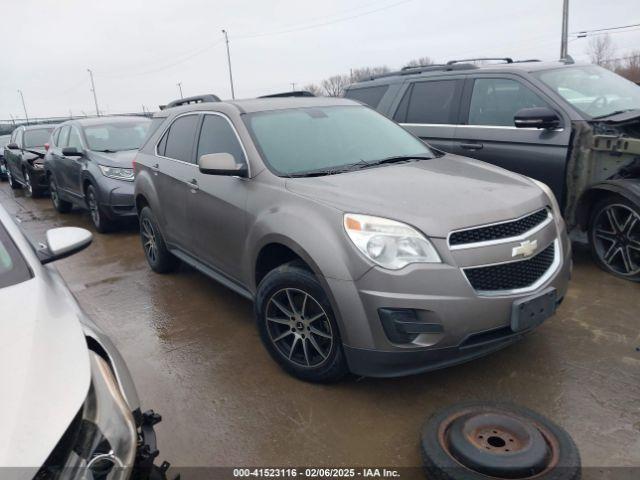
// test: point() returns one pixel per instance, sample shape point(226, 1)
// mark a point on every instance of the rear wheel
point(160, 259)
point(297, 325)
point(60, 205)
point(98, 215)
point(614, 237)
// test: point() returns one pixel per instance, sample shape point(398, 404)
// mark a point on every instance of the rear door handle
point(471, 146)
point(155, 168)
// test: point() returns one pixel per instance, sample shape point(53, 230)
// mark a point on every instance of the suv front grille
point(499, 231)
point(513, 275)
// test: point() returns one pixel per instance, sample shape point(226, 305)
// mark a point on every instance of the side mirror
point(12, 146)
point(63, 242)
point(71, 152)
point(222, 164)
point(538, 117)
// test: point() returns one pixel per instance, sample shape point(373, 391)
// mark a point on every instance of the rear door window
point(180, 138)
point(432, 102)
point(217, 136)
point(13, 268)
point(369, 96)
point(495, 101)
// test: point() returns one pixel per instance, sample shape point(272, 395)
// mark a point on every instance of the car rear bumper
point(458, 325)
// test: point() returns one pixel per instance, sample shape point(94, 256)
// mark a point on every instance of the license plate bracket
point(530, 312)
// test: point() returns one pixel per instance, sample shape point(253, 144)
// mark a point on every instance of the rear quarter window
point(369, 95)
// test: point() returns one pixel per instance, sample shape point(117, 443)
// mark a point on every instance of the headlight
point(388, 243)
point(557, 214)
point(103, 443)
point(117, 173)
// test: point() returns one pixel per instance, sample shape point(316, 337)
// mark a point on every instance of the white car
point(69, 408)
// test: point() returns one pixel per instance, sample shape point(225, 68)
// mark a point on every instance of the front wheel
point(98, 216)
point(297, 325)
point(614, 237)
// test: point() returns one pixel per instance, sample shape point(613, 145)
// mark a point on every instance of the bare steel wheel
point(297, 324)
point(299, 328)
point(615, 237)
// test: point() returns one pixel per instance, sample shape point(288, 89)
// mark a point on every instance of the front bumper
point(39, 178)
point(471, 325)
point(116, 198)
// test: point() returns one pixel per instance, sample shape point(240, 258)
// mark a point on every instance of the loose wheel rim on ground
point(616, 237)
point(299, 327)
point(498, 444)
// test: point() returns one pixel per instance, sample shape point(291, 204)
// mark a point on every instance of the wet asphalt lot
point(196, 358)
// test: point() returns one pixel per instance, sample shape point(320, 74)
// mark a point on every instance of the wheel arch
point(628, 188)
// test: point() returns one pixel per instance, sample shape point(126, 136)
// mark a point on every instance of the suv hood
point(44, 370)
point(122, 159)
point(436, 196)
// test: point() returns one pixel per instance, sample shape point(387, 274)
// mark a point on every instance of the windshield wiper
point(397, 159)
point(106, 150)
point(359, 165)
point(617, 112)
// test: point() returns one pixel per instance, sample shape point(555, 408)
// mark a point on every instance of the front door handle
point(194, 185)
point(155, 168)
point(471, 146)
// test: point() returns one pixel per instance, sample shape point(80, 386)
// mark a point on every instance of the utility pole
point(565, 30)
point(93, 89)
point(180, 88)
point(24, 107)
point(226, 38)
point(293, 86)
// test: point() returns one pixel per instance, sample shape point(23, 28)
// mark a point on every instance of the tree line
point(603, 51)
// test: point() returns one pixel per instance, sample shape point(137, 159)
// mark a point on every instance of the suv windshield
point(316, 139)
point(116, 136)
point(13, 268)
point(593, 90)
point(36, 138)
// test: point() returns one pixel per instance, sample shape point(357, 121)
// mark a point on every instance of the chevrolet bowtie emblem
point(525, 249)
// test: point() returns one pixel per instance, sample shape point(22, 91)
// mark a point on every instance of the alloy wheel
point(617, 239)
point(299, 327)
point(93, 208)
point(53, 189)
point(149, 241)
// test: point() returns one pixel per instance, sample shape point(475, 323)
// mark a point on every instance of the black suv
point(90, 164)
point(574, 127)
point(24, 158)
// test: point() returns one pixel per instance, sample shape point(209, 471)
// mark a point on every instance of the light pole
point(226, 38)
point(93, 89)
point(293, 86)
point(180, 88)
point(24, 107)
point(565, 30)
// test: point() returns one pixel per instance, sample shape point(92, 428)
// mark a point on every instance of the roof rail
point(528, 60)
point(295, 93)
point(505, 59)
point(209, 97)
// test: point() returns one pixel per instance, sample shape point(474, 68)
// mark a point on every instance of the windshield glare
point(36, 138)
point(117, 136)
point(593, 90)
point(303, 140)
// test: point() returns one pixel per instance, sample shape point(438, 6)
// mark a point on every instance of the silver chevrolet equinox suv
point(363, 249)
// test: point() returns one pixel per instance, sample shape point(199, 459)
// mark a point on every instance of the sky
point(139, 50)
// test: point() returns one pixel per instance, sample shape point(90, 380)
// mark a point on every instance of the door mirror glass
point(539, 117)
point(221, 164)
point(71, 152)
point(12, 146)
point(63, 242)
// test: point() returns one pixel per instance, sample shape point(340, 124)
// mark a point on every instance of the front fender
point(628, 188)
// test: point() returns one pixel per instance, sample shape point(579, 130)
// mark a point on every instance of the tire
point(614, 236)
point(98, 216)
point(440, 463)
point(61, 206)
point(30, 190)
point(12, 182)
point(297, 325)
point(160, 259)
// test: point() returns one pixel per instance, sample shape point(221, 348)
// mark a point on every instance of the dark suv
point(24, 158)
point(90, 164)
point(363, 249)
point(574, 127)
